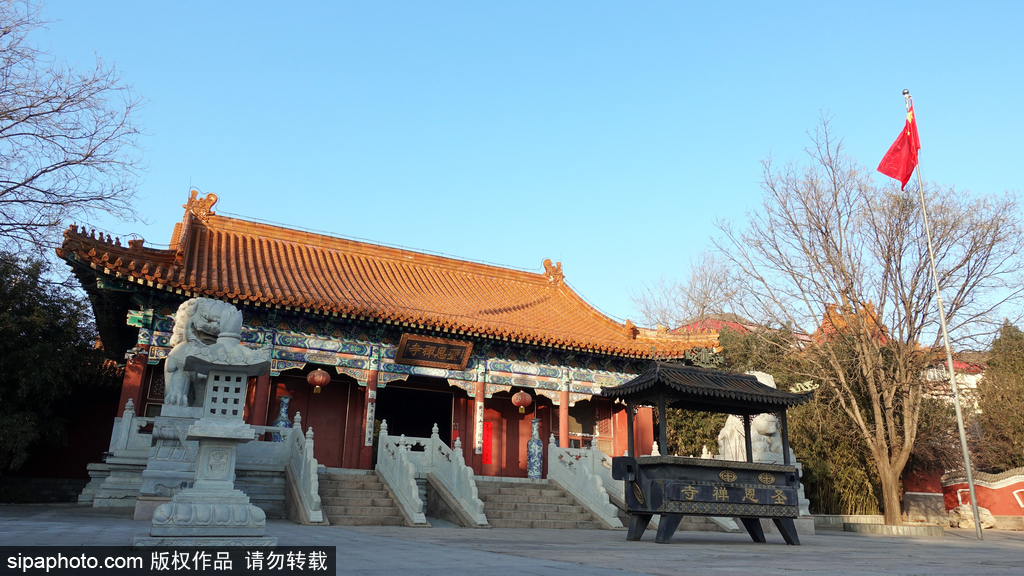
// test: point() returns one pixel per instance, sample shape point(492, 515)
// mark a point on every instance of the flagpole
point(945, 338)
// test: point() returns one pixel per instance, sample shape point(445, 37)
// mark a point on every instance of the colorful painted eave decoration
point(355, 359)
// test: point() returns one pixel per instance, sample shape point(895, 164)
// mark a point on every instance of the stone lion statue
point(197, 325)
point(765, 436)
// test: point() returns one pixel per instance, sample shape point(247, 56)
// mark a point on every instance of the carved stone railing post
point(302, 469)
point(395, 467)
point(601, 466)
point(123, 427)
point(572, 469)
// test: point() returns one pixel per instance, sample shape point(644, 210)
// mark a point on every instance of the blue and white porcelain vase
point(534, 452)
point(282, 420)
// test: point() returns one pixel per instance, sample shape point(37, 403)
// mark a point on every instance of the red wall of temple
point(999, 501)
point(327, 412)
point(929, 481)
point(619, 425)
point(462, 425)
point(643, 425)
point(511, 432)
point(356, 398)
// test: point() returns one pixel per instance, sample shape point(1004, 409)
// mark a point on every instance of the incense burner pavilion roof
point(693, 388)
point(265, 265)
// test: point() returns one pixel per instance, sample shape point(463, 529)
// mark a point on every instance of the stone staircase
point(358, 499)
point(533, 504)
point(265, 489)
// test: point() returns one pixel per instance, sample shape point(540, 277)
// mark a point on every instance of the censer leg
point(637, 525)
point(753, 526)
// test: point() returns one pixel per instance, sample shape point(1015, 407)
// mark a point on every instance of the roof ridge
point(370, 248)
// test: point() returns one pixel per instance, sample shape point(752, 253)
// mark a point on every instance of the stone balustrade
point(580, 471)
point(396, 467)
point(449, 468)
point(132, 443)
point(302, 471)
point(445, 465)
point(127, 432)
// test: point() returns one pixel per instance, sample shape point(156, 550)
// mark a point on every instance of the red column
point(261, 400)
point(131, 386)
point(643, 424)
point(563, 418)
point(369, 411)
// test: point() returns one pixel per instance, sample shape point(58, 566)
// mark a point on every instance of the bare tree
point(830, 254)
point(68, 145)
point(708, 291)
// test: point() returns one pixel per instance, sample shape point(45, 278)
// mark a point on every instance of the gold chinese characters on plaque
point(417, 350)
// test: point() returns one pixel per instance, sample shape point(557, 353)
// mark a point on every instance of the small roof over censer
point(693, 388)
point(670, 385)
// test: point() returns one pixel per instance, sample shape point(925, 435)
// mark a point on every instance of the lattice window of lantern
point(225, 394)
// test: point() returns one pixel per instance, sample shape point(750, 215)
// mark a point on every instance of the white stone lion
point(197, 324)
point(765, 435)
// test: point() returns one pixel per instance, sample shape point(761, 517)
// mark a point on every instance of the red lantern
point(318, 378)
point(522, 400)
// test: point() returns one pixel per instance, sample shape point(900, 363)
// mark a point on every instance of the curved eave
point(686, 386)
point(163, 270)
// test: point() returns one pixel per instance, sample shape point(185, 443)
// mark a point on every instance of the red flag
point(900, 160)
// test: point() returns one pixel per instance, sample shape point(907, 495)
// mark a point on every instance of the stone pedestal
point(211, 512)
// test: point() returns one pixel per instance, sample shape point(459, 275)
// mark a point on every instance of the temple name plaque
point(417, 350)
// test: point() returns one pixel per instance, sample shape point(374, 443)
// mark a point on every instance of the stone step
point(347, 479)
point(358, 500)
point(341, 493)
point(516, 491)
point(533, 505)
point(485, 481)
point(358, 485)
point(549, 524)
point(361, 511)
point(526, 507)
point(526, 499)
point(366, 520)
point(337, 501)
point(521, 515)
point(538, 484)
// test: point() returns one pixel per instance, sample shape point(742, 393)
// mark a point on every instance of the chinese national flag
point(900, 160)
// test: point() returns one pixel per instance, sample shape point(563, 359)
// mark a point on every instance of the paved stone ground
point(447, 550)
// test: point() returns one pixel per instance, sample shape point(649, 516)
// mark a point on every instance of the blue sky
point(610, 136)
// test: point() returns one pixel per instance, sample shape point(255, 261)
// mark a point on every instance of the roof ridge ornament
point(201, 208)
point(553, 272)
point(630, 330)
